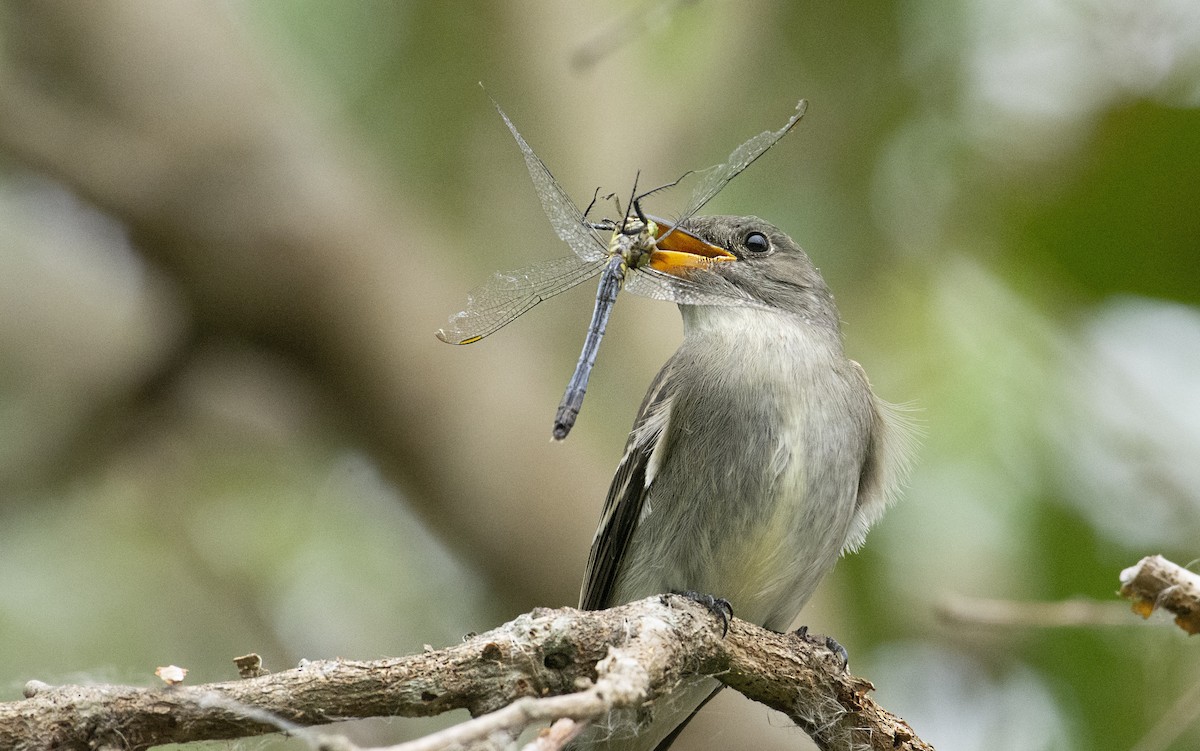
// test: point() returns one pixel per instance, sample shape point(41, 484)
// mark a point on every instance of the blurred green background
point(228, 231)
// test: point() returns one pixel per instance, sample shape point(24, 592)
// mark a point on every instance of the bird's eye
point(757, 242)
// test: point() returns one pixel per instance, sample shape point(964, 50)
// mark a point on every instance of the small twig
point(557, 736)
point(1154, 582)
point(512, 719)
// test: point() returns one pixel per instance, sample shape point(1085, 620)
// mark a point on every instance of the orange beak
point(677, 251)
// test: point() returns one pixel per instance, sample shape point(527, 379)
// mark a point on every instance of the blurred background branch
point(979, 611)
point(162, 118)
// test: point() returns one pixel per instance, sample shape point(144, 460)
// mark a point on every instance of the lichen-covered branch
point(540, 667)
point(1154, 582)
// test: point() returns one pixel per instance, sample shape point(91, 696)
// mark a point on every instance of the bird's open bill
point(677, 251)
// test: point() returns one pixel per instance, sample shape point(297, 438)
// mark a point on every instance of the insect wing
point(713, 179)
point(509, 294)
point(646, 282)
point(565, 217)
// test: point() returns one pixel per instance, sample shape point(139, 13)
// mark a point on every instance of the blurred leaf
point(1128, 221)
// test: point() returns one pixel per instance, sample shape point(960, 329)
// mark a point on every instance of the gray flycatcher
point(758, 456)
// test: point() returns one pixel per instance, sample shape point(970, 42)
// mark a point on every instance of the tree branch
point(543, 666)
point(1155, 582)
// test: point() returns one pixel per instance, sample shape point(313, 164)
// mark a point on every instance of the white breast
point(753, 494)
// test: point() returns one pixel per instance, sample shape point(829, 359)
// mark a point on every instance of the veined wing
point(713, 179)
point(717, 291)
point(564, 215)
point(508, 294)
point(656, 285)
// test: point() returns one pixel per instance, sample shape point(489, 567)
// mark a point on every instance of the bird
point(759, 455)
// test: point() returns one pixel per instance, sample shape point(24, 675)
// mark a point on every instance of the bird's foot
point(718, 606)
point(828, 642)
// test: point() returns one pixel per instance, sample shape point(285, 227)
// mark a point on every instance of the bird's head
point(759, 261)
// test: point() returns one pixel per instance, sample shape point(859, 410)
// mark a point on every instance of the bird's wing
point(627, 494)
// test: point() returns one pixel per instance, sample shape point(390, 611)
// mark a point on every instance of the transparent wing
point(508, 294)
point(564, 215)
point(713, 179)
point(716, 290)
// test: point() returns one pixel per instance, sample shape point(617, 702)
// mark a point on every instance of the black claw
point(833, 646)
point(718, 606)
point(829, 643)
